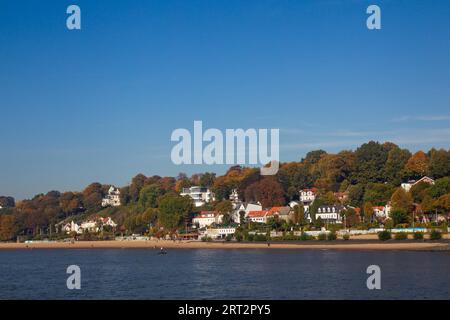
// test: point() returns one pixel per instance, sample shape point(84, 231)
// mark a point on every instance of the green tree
point(370, 160)
point(419, 191)
point(8, 228)
point(356, 195)
point(148, 196)
point(368, 211)
point(207, 179)
point(224, 206)
point(396, 161)
point(441, 186)
point(439, 163)
point(299, 215)
point(399, 217)
point(173, 210)
point(378, 193)
point(401, 201)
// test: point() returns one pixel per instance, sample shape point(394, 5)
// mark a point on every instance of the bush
point(346, 236)
point(260, 237)
point(384, 235)
point(418, 235)
point(435, 235)
point(401, 236)
point(228, 237)
point(332, 236)
point(305, 237)
point(322, 236)
point(238, 237)
point(206, 239)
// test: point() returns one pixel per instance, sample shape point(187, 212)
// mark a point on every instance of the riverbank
point(443, 245)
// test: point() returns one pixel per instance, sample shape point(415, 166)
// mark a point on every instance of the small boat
point(162, 251)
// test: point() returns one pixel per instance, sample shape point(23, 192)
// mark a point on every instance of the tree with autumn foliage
point(417, 165)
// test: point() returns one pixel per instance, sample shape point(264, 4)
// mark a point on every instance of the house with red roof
point(260, 216)
point(207, 218)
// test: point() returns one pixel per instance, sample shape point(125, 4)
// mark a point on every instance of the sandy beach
point(362, 244)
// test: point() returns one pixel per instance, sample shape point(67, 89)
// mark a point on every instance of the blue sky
point(100, 104)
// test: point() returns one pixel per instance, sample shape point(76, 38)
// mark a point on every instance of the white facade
point(292, 204)
point(217, 233)
point(234, 196)
point(308, 195)
point(259, 216)
point(330, 214)
point(200, 195)
point(382, 211)
point(112, 198)
point(71, 227)
point(207, 218)
point(408, 185)
point(89, 226)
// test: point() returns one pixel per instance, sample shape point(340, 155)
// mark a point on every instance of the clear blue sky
point(100, 104)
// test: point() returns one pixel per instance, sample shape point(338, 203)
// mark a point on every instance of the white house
point(307, 196)
point(246, 208)
point(89, 226)
point(93, 226)
point(408, 185)
point(219, 232)
point(108, 222)
point(292, 204)
point(382, 211)
point(234, 196)
point(200, 195)
point(330, 213)
point(71, 227)
point(112, 198)
point(259, 216)
point(207, 218)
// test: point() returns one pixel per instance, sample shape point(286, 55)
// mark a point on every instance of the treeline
point(370, 175)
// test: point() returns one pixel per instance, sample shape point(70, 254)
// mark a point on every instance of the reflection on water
point(223, 274)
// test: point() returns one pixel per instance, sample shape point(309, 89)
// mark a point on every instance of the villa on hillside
point(382, 211)
point(307, 196)
point(92, 226)
point(234, 196)
point(207, 218)
point(200, 195)
point(218, 232)
point(112, 198)
point(408, 185)
point(245, 208)
point(330, 213)
point(284, 213)
point(259, 216)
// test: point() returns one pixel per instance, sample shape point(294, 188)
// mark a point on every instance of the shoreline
point(441, 245)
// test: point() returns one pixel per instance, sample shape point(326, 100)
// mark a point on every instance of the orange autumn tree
point(417, 165)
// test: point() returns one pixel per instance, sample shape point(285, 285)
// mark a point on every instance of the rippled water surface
point(223, 274)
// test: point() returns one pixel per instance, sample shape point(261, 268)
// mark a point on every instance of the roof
point(205, 214)
point(336, 206)
point(258, 214)
point(425, 179)
point(310, 189)
point(280, 210)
